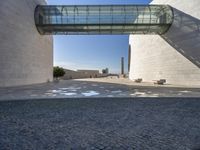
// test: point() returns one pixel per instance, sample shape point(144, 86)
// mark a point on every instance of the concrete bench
point(139, 80)
point(160, 82)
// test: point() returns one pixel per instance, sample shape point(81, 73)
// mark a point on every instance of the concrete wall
point(25, 56)
point(174, 56)
point(79, 74)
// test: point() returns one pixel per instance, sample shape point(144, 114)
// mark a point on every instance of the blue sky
point(89, 51)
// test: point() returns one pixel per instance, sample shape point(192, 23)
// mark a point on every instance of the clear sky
point(91, 52)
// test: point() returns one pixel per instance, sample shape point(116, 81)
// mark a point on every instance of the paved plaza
point(96, 88)
point(101, 124)
point(99, 114)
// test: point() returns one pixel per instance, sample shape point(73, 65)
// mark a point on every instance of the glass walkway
point(103, 19)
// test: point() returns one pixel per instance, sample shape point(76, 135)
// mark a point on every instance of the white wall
point(25, 56)
point(176, 55)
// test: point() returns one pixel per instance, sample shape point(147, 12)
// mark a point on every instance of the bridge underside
point(103, 19)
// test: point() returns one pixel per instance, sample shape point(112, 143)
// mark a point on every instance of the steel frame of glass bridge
point(103, 19)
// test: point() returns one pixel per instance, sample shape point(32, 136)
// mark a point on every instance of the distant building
point(89, 71)
point(105, 71)
point(79, 74)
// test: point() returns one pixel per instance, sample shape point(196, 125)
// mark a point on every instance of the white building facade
point(26, 57)
point(174, 56)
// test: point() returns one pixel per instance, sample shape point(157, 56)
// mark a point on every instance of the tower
point(122, 65)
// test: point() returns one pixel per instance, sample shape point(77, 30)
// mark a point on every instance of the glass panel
point(116, 19)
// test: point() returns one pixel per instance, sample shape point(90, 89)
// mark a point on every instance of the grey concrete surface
point(175, 56)
point(101, 123)
point(26, 57)
point(94, 88)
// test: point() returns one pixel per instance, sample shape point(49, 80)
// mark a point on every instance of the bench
point(160, 82)
point(139, 80)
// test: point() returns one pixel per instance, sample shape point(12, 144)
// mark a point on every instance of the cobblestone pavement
point(101, 123)
point(76, 88)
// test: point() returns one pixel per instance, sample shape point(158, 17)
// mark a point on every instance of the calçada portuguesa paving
point(95, 88)
point(101, 123)
point(94, 115)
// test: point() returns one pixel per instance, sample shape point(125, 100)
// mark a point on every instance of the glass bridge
point(103, 19)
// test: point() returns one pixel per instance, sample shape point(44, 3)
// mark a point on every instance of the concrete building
point(26, 57)
point(105, 71)
point(174, 56)
point(79, 74)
